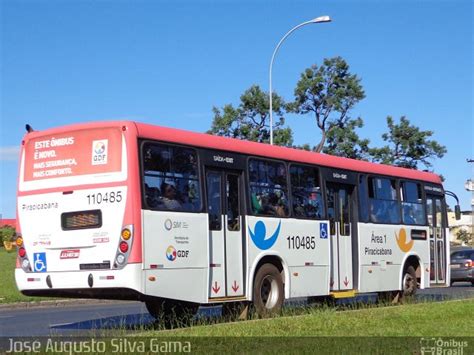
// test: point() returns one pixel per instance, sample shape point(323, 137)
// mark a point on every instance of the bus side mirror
point(457, 212)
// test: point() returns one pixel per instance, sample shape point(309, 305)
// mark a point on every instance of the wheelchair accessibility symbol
point(39, 262)
point(323, 231)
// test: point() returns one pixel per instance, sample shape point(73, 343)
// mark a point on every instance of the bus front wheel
point(268, 291)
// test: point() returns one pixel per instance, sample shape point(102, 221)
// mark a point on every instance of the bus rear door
point(340, 214)
point(224, 201)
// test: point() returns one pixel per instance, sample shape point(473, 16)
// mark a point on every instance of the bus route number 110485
point(106, 197)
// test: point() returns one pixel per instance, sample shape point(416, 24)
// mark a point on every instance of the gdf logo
point(172, 253)
point(99, 152)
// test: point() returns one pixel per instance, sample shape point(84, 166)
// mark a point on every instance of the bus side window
point(171, 178)
point(383, 200)
point(268, 188)
point(306, 192)
point(413, 208)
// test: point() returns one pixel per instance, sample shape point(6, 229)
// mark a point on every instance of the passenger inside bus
point(276, 206)
point(152, 195)
point(169, 199)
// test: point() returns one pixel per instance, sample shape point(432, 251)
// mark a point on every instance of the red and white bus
point(127, 210)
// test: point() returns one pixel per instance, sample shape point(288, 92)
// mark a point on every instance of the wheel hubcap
point(408, 283)
point(269, 292)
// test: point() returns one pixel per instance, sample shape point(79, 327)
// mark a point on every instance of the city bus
point(133, 211)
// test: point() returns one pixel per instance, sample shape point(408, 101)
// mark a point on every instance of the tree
point(408, 146)
point(329, 92)
point(249, 120)
point(464, 236)
point(343, 141)
point(7, 233)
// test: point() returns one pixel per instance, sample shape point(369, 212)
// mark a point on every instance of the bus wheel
point(409, 287)
point(172, 314)
point(268, 291)
point(409, 283)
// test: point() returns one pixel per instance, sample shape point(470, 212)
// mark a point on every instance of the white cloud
point(10, 153)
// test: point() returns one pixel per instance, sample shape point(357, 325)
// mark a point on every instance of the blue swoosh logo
point(258, 237)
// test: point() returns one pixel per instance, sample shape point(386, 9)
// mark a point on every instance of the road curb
point(57, 303)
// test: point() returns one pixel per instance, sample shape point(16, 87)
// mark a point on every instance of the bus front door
point(224, 190)
point(437, 225)
point(339, 201)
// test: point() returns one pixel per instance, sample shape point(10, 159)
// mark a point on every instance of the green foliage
point(465, 236)
point(343, 141)
point(329, 92)
point(7, 233)
point(408, 146)
point(249, 120)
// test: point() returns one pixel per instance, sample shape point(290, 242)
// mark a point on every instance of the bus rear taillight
point(123, 247)
point(468, 264)
point(126, 234)
point(126, 239)
point(22, 258)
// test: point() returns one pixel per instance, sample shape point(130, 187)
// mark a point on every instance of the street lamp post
point(320, 19)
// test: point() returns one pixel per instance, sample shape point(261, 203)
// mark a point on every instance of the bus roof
point(148, 131)
point(277, 152)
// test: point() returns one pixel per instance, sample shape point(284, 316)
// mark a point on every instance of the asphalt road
point(112, 318)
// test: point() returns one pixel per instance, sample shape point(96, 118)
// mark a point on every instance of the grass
point(401, 329)
point(453, 318)
point(8, 291)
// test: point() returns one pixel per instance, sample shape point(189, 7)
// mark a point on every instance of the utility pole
point(470, 187)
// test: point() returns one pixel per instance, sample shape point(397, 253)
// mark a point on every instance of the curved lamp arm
point(320, 19)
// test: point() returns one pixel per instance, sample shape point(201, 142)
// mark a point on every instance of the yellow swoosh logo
point(402, 241)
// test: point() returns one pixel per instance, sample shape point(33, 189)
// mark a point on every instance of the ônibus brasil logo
point(171, 253)
point(259, 236)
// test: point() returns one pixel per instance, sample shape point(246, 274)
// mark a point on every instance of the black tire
point(268, 291)
point(409, 283)
point(170, 313)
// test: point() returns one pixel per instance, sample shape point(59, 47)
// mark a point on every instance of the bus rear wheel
point(409, 287)
point(268, 291)
point(409, 283)
point(172, 313)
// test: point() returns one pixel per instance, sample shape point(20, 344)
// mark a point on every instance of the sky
point(169, 62)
